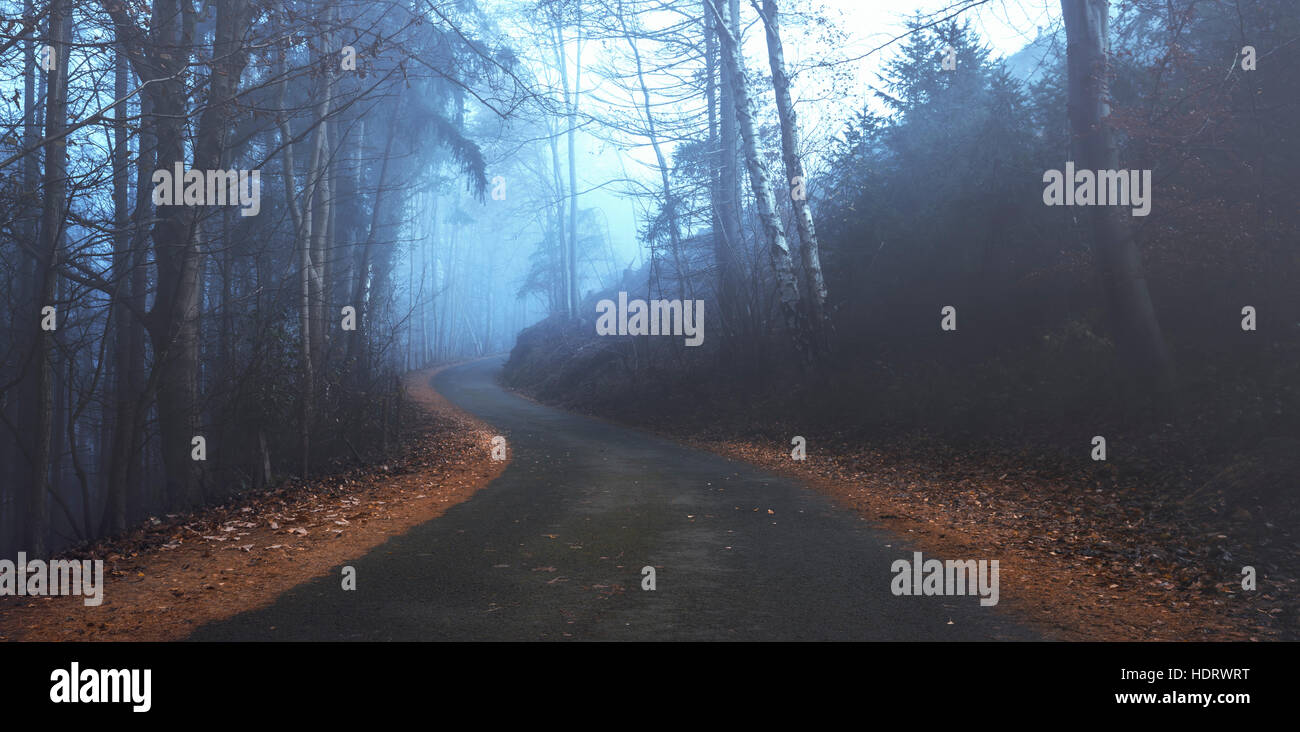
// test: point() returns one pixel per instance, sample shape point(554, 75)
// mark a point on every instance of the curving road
point(553, 549)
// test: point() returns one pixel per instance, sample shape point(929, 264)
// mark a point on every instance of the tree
point(761, 183)
point(814, 291)
point(54, 188)
point(1132, 314)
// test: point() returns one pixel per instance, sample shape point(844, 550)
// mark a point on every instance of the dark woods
point(957, 302)
point(192, 351)
point(228, 227)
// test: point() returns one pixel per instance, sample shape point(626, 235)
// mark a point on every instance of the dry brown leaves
point(165, 579)
point(1078, 563)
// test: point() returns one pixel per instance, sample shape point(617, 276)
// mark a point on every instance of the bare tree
point(54, 187)
point(814, 292)
point(761, 183)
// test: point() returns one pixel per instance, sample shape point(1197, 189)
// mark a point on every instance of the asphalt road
point(554, 549)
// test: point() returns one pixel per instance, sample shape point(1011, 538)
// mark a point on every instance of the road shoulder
point(165, 579)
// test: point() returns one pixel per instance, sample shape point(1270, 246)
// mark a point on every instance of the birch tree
point(814, 284)
point(761, 182)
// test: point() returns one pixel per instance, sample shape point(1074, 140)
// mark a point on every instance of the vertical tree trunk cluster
point(795, 306)
point(561, 14)
point(814, 283)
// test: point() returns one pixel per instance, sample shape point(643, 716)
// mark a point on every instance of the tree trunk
point(303, 211)
point(761, 183)
point(174, 319)
point(316, 222)
point(125, 326)
point(562, 241)
point(363, 295)
point(20, 400)
point(670, 201)
point(1133, 317)
point(721, 246)
point(814, 284)
point(54, 187)
point(728, 234)
point(571, 101)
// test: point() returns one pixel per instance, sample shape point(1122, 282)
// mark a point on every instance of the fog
point(238, 237)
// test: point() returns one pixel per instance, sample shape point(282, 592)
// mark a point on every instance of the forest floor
point(1101, 552)
point(1078, 562)
point(164, 579)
